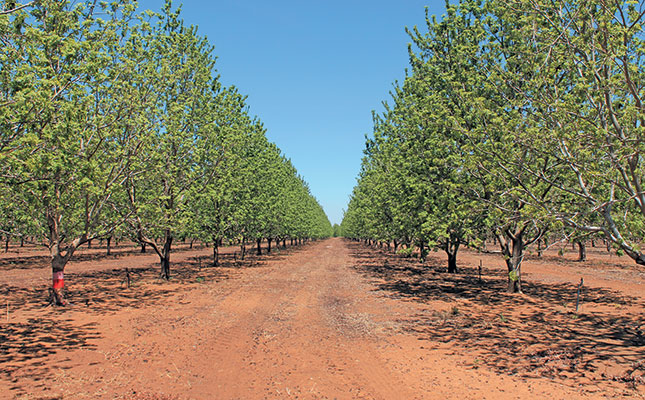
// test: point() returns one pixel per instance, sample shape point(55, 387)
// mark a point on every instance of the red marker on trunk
point(58, 280)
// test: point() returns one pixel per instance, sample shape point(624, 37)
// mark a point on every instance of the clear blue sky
point(313, 71)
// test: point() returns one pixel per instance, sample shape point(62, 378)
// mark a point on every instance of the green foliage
point(61, 105)
point(115, 124)
point(516, 119)
point(336, 229)
point(513, 276)
point(405, 252)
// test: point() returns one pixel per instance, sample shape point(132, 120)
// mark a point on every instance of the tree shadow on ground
point(26, 345)
point(532, 335)
point(594, 263)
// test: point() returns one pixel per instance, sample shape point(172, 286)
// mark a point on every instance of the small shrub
point(407, 253)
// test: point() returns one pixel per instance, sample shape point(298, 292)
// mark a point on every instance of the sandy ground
point(329, 320)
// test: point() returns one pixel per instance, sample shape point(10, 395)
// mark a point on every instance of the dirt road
point(301, 325)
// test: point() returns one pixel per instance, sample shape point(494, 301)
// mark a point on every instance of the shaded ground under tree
point(535, 334)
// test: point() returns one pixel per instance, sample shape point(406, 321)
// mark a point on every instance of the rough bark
point(259, 246)
point(163, 253)
point(269, 245)
point(165, 256)
point(422, 251)
point(108, 243)
point(60, 255)
point(58, 263)
point(452, 263)
point(451, 249)
point(512, 246)
point(216, 243)
point(582, 251)
point(165, 267)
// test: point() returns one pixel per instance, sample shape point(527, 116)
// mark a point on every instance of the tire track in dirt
point(291, 330)
point(353, 335)
point(305, 324)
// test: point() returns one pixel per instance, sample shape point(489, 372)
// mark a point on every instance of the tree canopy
point(115, 120)
point(516, 119)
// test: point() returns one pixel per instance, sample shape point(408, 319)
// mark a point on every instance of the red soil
point(332, 319)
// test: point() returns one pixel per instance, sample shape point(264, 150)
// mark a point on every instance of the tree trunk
point(191, 243)
point(269, 245)
point(284, 243)
point(422, 251)
point(108, 243)
point(451, 249)
point(259, 246)
point(58, 258)
point(143, 247)
point(396, 245)
point(582, 251)
point(165, 267)
point(22, 241)
point(243, 249)
point(58, 262)
point(540, 250)
point(58, 283)
point(514, 253)
point(6, 243)
point(165, 256)
point(89, 244)
point(215, 251)
point(452, 263)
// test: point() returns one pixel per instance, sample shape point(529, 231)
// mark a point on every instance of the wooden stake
point(578, 294)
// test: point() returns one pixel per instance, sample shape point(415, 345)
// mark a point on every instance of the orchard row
point(518, 120)
point(115, 124)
